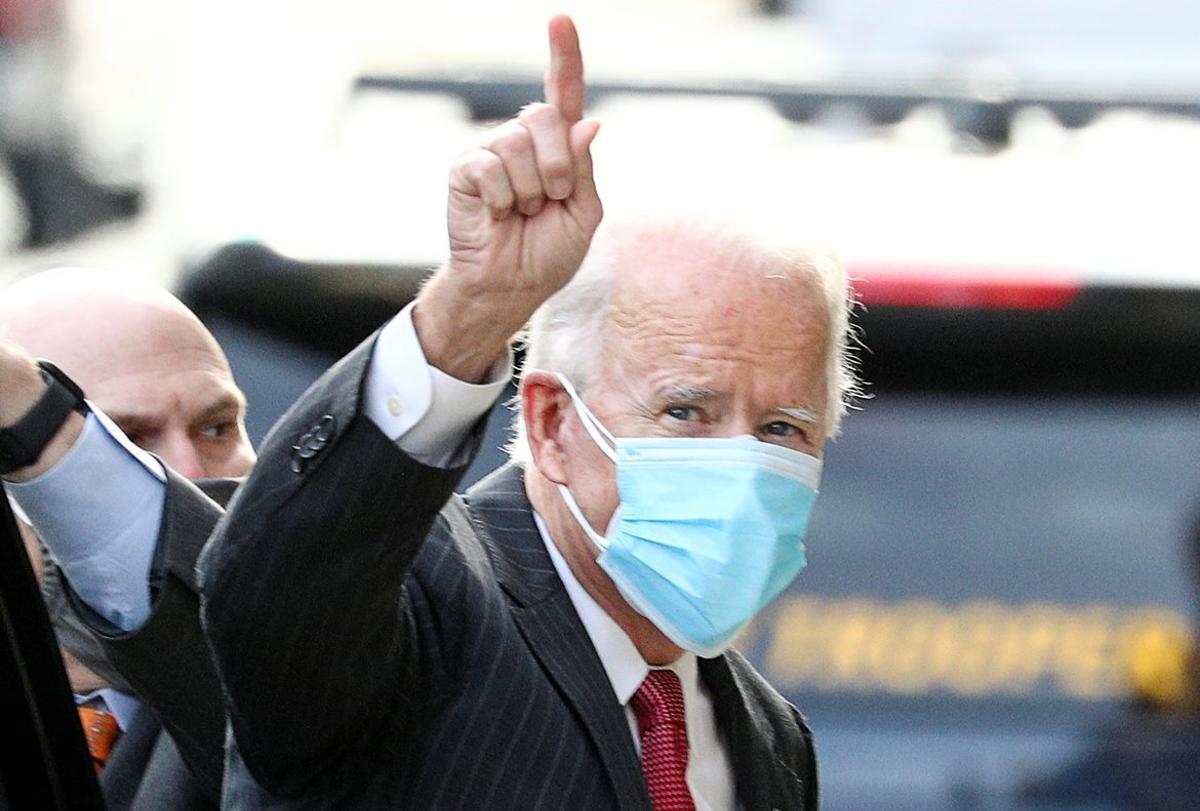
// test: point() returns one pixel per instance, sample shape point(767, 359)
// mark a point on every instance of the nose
point(180, 452)
point(738, 425)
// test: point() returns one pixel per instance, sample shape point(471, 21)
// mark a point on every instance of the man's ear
point(544, 407)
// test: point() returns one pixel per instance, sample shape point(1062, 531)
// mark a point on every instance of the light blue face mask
point(708, 531)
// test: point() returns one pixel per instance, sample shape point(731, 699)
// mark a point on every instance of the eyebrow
point(686, 393)
point(132, 422)
point(226, 401)
point(800, 413)
point(128, 420)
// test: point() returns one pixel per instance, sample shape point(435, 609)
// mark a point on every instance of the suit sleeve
point(165, 661)
point(303, 596)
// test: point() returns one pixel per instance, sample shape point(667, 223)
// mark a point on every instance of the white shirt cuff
point(425, 411)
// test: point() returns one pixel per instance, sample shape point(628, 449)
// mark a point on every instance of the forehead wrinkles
point(761, 317)
point(764, 337)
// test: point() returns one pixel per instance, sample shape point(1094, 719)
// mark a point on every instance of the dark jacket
point(145, 772)
point(386, 644)
point(166, 663)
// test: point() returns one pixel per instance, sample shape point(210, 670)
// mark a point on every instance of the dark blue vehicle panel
point(992, 583)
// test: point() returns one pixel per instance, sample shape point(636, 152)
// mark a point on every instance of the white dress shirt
point(709, 773)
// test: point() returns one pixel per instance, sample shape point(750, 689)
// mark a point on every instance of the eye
point(218, 431)
point(683, 413)
point(781, 429)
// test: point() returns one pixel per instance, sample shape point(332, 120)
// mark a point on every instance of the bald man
point(143, 357)
point(147, 362)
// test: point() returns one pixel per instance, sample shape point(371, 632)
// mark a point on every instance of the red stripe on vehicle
point(963, 288)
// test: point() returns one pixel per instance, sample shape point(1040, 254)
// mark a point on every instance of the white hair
point(566, 333)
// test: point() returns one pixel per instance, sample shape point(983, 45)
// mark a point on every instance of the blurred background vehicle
point(1002, 582)
point(1000, 604)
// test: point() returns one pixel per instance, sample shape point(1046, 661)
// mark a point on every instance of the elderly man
point(559, 637)
point(150, 364)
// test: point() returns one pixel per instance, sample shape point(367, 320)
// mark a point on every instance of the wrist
point(22, 385)
point(462, 335)
point(41, 417)
point(55, 450)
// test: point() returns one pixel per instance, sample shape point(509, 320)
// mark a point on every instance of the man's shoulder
point(470, 530)
point(486, 527)
point(454, 536)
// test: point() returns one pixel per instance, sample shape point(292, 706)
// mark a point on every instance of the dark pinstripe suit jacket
point(385, 644)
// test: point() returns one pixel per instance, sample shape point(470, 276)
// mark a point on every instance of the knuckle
point(482, 165)
point(539, 114)
point(529, 193)
point(460, 163)
point(495, 178)
point(512, 140)
point(557, 167)
point(466, 162)
point(499, 201)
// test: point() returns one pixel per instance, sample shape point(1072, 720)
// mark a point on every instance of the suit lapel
point(551, 627)
point(757, 771)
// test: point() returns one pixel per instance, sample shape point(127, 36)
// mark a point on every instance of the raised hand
point(522, 210)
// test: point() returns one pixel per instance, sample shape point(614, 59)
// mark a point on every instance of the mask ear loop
point(599, 434)
point(604, 440)
point(599, 540)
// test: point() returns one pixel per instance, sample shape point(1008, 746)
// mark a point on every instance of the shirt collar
point(122, 705)
point(625, 667)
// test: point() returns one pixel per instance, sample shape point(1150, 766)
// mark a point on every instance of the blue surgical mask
point(708, 531)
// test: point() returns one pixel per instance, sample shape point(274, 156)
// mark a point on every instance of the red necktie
point(101, 730)
point(658, 705)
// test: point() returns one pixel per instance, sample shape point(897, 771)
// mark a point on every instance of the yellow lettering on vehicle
point(979, 648)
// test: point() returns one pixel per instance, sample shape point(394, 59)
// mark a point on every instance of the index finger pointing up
point(564, 77)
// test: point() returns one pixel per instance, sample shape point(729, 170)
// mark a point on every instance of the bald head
point(142, 357)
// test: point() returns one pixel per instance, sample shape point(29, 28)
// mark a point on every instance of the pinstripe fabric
point(437, 655)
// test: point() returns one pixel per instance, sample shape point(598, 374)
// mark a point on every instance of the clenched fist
point(522, 210)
